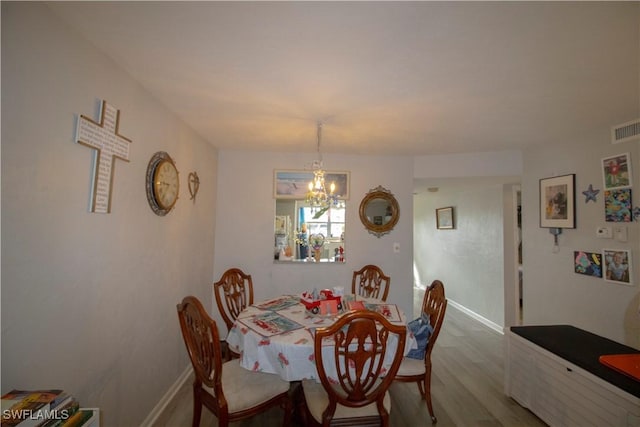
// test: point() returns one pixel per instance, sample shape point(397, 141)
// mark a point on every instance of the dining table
point(277, 335)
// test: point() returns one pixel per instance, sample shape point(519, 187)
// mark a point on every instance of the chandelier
point(318, 196)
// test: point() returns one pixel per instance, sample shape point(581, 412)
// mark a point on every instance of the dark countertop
point(583, 349)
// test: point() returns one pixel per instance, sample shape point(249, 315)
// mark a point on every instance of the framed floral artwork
point(616, 171)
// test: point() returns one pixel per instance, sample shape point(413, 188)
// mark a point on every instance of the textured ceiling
point(399, 78)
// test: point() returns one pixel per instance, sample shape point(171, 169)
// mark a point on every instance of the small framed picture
point(617, 266)
point(616, 171)
point(588, 263)
point(558, 202)
point(444, 218)
point(617, 205)
point(294, 184)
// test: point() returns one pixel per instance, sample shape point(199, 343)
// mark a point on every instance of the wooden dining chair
point(434, 306)
point(226, 389)
point(369, 281)
point(234, 293)
point(355, 347)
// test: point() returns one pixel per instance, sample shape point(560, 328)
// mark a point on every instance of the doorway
point(518, 271)
point(519, 266)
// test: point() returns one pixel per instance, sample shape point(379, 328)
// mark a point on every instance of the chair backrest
point(234, 293)
point(369, 281)
point(201, 337)
point(360, 342)
point(434, 305)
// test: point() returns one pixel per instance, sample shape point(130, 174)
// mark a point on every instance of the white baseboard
point(499, 329)
point(167, 398)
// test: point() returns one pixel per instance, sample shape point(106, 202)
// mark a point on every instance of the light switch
point(620, 233)
point(396, 248)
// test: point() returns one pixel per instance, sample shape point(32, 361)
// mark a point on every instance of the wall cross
point(103, 137)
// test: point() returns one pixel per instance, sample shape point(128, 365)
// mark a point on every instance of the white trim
point(167, 398)
point(499, 329)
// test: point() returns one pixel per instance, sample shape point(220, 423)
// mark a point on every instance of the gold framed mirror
point(379, 211)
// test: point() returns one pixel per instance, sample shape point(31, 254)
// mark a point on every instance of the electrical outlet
point(604, 232)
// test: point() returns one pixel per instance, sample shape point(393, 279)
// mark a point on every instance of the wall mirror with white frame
point(309, 234)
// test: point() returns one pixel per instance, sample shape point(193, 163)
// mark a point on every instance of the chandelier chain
point(319, 135)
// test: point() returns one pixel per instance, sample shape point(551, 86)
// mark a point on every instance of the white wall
point(553, 293)
point(89, 300)
point(474, 260)
point(468, 259)
point(469, 165)
point(245, 223)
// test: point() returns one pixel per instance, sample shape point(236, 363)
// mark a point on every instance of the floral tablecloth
point(276, 336)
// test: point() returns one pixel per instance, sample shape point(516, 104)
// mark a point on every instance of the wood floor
point(467, 386)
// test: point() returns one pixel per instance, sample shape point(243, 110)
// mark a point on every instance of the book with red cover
point(628, 364)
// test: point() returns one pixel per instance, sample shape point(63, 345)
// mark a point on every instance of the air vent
point(626, 132)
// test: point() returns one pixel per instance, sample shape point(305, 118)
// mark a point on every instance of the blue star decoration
point(636, 213)
point(590, 194)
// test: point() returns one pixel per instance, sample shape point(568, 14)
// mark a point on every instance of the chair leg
point(300, 404)
point(427, 395)
point(430, 407)
point(197, 408)
point(421, 388)
point(287, 407)
point(225, 351)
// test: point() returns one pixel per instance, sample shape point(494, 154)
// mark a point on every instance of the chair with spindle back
point(370, 281)
point(434, 306)
point(228, 390)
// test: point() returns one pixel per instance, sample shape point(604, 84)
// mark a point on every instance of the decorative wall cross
point(103, 137)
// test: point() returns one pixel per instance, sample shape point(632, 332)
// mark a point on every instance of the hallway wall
point(469, 259)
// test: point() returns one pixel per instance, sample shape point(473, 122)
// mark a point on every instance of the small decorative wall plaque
point(194, 185)
point(590, 194)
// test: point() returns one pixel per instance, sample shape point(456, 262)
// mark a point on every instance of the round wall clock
point(162, 183)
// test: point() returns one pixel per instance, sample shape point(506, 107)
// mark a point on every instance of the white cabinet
point(563, 394)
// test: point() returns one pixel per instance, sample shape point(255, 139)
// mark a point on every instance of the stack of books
point(45, 408)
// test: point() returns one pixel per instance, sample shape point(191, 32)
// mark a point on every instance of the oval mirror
point(379, 211)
